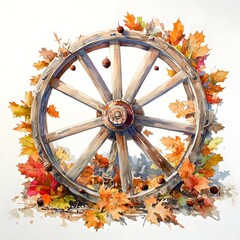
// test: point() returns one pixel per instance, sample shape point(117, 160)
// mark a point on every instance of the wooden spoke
point(152, 153)
point(125, 169)
point(76, 94)
point(65, 132)
point(165, 124)
point(115, 54)
point(88, 153)
point(141, 74)
point(163, 88)
point(95, 76)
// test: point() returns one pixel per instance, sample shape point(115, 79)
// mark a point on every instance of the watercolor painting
point(124, 126)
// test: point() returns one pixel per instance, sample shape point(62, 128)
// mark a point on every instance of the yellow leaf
point(28, 98)
point(218, 76)
point(20, 110)
point(176, 35)
point(40, 64)
point(51, 110)
point(34, 80)
point(214, 143)
point(171, 72)
point(61, 154)
point(28, 145)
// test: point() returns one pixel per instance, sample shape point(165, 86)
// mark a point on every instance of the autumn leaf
point(35, 79)
point(218, 76)
point(48, 55)
point(46, 199)
point(94, 218)
point(176, 146)
point(215, 127)
point(40, 64)
point(32, 169)
point(184, 109)
point(24, 127)
point(28, 146)
point(134, 24)
point(62, 155)
point(147, 133)
point(51, 110)
point(213, 144)
point(171, 72)
point(192, 181)
point(187, 169)
point(176, 35)
point(57, 38)
point(113, 202)
point(100, 161)
point(211, 161)
point(20, 110)
point(28, 99)
point(62, 202)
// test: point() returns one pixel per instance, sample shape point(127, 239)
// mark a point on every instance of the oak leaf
point(48, 55)
point(40, 64)
point(176, 35)
point(215, 127)
point(51, 110)
point(134, 24)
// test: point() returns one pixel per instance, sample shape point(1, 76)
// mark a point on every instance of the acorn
point(200, 200)
point(47, 166)
point(72, 67)
point(40, 202)
point(143, 186)
point(160, 180)
point(156, 68)
point(106, 62)
point(189, 202)
point(120, 29)
point(214, 189)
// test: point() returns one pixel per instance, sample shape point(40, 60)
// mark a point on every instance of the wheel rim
point(120, 116)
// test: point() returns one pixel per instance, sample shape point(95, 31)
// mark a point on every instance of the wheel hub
point(118, 115)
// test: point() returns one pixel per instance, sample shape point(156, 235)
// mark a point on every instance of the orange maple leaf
point(187, 169)
point(131, 23)
point(94, 218)
point(147, 133)
point(24, 127)
point(176, 35)
point(46, 199)
point(51, 110)
point(100, 161)
point(176, 146)
point(184, 109)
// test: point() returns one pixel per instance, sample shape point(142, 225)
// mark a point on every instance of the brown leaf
point(47, 54)
point(34, 80)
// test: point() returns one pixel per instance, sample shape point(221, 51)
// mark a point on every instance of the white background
point(26, 26)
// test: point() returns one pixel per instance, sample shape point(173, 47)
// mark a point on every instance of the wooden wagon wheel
point(120, 114)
